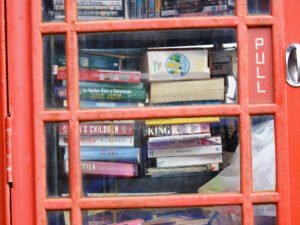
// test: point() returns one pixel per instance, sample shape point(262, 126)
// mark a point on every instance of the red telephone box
point(63, 62)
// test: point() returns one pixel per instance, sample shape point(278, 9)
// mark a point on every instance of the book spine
point(151, 10)
point(111, 94)
point(108, 154)
point(177, 138)
point(111, 85)
point(103, 75)
point(61, 7)
point(166, 130)
point(91, 2)
point(101, 141)
point(133, 9)
point(188, 160)
point(157, 8)
point(109, 13)
point(100, 129)
point(184, 143)
point(181, 120)
point(117, 169)
point(189, 76)
point(139, 9)
point(189, 151)
point(102, 104)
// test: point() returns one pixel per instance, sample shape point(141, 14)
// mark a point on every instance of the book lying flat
point(174, 91)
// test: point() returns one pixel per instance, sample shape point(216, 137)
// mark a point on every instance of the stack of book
point(182, 146)
point(92, 9)
point(106, 148)
point(103, 83)
point(181, 76)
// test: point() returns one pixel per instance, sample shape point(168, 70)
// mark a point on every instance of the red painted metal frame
point(4, 187)
point(292, 35)
point(27, 105)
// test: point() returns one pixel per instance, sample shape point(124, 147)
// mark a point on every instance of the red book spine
point(100, 129)
point(109, 168)
point(103, 75)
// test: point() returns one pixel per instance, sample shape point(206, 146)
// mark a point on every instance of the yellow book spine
point(181, 120)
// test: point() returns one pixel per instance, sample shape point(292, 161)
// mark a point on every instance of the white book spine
point(188, 160)
point(178, 137)
point(188, 151)
point(101, 141)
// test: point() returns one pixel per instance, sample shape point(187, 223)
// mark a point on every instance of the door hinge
point(8, 139)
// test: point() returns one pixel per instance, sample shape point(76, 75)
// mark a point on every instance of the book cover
point(105, 104)
point(184, 142)
point(167, 130)
point(177, 65)
point(174, 91)
point(105, 93)
point(101, 128)
point(100, 141)
point(165, 121)
point(108, 154)
point(103, 75)
point(115, 169)
point(186, 151)
point(177, 161)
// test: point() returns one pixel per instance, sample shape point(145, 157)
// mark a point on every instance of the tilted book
point(152, 122)
point(100, 141)
point(101, 128)
point(108, 154)
point(103, 75)
point(174, 129)
point(177, 65)
point(179, 142)
point(174, 91)
point(115, 169)
point(177, 161)
point(188, 151)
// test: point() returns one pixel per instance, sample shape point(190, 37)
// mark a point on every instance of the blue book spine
point(139, 9)
point(151, 9)
point(108, 154)
point(104, 104)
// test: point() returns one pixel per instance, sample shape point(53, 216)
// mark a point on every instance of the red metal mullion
point(57, 204)
point(191, 200)
point(265, 197)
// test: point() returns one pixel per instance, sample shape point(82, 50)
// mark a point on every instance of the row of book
point(125, 9)
point(158, 77)
point(155, 147)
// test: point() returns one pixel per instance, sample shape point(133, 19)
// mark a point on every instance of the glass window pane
point(143, 9)
point(158, 156)
point(157, 68)
point(259, 7)
point(58, 217)
point(54, 56)
point(229, 215)
point(265, 215)
point(263, 153)
point(53, 11)
point(57, 181)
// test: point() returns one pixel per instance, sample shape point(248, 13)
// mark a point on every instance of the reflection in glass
point(229, 215)
point(157, 156)
point(53, 11)
point(54, 53)
point(58, 217)
point(57, 181)
point(259, 7)
point(263, 153)
point(265, 215)
point(156, 68)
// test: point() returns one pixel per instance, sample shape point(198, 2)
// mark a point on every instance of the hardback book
point(114, 128)
point(61, 7)
point(92, 2)
point(105, 93)
point(176, 129)
point(177, 161)
point(173, 138)
point(174, 91)
point(176, 65)
point(116, 154)
point(183, 143)
point(187, 151)
point(100, 141)
point(115, 169)
point(103, 75)
point(166, 121)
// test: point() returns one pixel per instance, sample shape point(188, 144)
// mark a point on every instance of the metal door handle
point(293, 65)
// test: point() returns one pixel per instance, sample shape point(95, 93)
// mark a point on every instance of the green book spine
point(113, 94)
